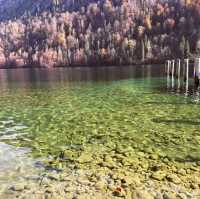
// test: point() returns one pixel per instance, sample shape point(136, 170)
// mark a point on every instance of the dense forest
point(54, 33)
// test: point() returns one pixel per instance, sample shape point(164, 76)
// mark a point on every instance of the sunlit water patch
point(9, 130)
point(15, 163)
point(15, 166)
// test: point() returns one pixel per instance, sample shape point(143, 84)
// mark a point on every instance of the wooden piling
point(178, 69)
point(186, 74)
point(168, 73)
point(168, 67)
point(197, 72)
point(179, 73)
point(172, 72)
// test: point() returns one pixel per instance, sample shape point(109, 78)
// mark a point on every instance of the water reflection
point(181, 81)
point(36, 77)
point(43, 77)
point(178, 86)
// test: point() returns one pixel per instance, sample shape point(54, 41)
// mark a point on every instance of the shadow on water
point(189, 159)
point(176, 121)
point(170, 103)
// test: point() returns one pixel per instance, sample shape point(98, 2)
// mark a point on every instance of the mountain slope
point(101, 32)
point(10, 9)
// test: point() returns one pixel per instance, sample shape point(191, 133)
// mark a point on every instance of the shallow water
point(93, 111)
point(16, 166)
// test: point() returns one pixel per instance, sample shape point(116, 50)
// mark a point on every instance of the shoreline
point(99, 65)
point(105, 183)
point(111, 175)
point(87, 65)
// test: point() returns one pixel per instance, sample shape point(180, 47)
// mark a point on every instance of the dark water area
point(35, 76)
point(45, 77)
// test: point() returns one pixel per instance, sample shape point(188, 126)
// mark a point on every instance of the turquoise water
point(74, 121)
point(133, 115)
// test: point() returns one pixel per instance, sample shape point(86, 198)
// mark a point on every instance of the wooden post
point(179, 73)
point(168, 67)
point(187, 74)
point(168, 73)
point(197, 72)
point(172, 72)
point(178, 68)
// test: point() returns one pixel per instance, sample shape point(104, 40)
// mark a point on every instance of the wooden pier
point(179, 73)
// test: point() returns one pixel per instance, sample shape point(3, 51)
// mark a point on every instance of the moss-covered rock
point(85, 158)
point(159, 175)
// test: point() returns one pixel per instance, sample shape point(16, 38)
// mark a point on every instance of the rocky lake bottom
point(104, 140)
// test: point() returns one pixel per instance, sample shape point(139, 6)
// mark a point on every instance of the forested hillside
point(10, 9)
point(87, 32)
